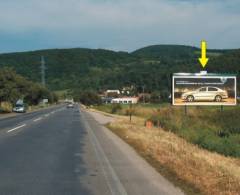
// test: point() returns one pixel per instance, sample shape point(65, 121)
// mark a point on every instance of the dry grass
point(208, 172)
point(144, 111)
point(6, 107)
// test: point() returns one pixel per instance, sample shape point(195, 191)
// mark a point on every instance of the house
point(106, 100)
point(125, 100)
point(113, 91)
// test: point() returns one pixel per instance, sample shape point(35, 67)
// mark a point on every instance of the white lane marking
point(37, 119)
point(16, 128)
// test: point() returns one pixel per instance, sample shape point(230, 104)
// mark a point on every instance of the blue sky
point(117, 24)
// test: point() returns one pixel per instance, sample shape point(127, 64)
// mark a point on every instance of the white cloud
point(124, 24)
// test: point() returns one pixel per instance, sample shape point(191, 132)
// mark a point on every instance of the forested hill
point(65, 67)
point(100, 69)
point(173, 51)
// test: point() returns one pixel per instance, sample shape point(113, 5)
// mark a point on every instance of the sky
point(124, 25)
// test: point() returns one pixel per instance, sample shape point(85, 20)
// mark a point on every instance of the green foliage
point(207, 127)
point(130, 110)
point(167, 52)
point(69, 68)
point(116, 108)
point(14, 87)
point(86, 97)
point(155, 97)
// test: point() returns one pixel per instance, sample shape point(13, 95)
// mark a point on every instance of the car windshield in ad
point(204, 90)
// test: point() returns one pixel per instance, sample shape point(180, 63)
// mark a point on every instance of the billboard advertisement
point(206, 89)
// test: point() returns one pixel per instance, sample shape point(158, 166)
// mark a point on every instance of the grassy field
point(195, 170)
point(207, 127)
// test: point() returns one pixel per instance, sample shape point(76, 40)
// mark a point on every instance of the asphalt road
point(66, 151)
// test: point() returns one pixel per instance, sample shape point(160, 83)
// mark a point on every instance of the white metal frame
point(203, 103)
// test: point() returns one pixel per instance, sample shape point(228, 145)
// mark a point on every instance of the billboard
point(203, 89)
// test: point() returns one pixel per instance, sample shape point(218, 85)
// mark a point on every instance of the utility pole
point(43, 68)
point(143, 94)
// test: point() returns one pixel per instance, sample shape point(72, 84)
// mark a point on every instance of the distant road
point(61, 151)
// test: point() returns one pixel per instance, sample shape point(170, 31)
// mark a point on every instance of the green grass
point(113, 108)
point(210, 128)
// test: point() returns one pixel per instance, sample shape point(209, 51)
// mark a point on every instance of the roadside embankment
point(195, 170)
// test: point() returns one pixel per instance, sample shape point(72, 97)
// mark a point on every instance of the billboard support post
point(130, 112)
point(185, 110)
point(221, 108)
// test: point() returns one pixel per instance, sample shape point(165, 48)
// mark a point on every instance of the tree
point(155, 97)
point(87, 97)
point(14, 87)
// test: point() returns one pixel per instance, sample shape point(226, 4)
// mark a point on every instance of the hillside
point(64, 66)
point(166, 51)
point(174, 51)
point(99, 69)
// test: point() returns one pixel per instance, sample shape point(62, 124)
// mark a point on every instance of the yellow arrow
point(204, 60)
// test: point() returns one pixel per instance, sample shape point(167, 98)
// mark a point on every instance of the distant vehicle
point(20, 108)
point(205, 94)
point(70, 105)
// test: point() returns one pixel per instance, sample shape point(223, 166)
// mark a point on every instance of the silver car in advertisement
point(205, 94)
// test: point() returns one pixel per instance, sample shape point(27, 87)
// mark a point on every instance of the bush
point(5, 107)
point(130, 111)
point(115, 108)
point(87, 97)
point(155, 97)
point(209, 128)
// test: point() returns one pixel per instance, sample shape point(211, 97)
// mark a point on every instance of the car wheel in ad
point(218, 98)
point(190, 98)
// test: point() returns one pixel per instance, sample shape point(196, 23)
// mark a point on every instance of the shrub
point(115, 108)
point(130, 111)
point(209, 128)
point(87, 97)
point(5, 107)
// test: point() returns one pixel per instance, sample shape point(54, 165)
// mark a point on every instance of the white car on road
point(205, 94)
point(20, 108)
point(70, 105)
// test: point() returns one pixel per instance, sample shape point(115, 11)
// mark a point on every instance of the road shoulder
point(142, 177)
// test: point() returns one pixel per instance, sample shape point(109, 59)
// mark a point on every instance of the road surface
point(60, 151)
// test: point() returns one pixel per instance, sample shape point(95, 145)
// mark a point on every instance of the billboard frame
point(205, 75)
